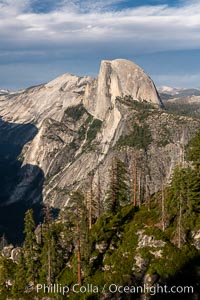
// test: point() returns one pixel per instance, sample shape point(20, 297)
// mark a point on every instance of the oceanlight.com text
point(113, 288)
point(152, 290)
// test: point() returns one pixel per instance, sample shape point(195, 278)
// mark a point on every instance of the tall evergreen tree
point(7, 272)
point(99, 196)
point(135, 182)
point(21, 281)
point(91, 201)
point(118, 192)
point(51, 253)
point(163, 210)
point(30, 247)
point(184, 201)
point(76, 215)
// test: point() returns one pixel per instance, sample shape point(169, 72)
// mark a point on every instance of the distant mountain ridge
point(182, 101)
point(3, 92)
point(166, 92)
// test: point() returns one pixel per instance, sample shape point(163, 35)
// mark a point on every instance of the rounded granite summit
point(133, 80)
point(119, 77)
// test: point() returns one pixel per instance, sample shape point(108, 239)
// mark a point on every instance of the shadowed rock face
point(12, 209)
point(12, 139)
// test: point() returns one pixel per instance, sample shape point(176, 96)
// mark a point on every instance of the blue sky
point(46, 6)
point(41, 40)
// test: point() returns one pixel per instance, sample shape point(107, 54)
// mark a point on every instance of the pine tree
point(139, 189)
point(76, 215)
point(51, 257)
point(21, 280)
point(30, 246)
point(118, 192)
point(91, 201)
point(147, 193)
point(99, 197)
point(184, 201)
point(7, 272)
point(193, 191)
point(135, 183)
point(113, 201)
point(163, 207)
point(179, 202)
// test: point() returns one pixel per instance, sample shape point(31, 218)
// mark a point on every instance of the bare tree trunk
point(183, 149)
point(86, 199)
point(91, 202)
point(180, 225)
point(113, 185)
point(163, 208)
point(147, 194)
point(99, 195)
point(139, 190)
point(48, 219)
point(41, 233)
point(78, 252)
point(49, 263)
point(135, 183)
point(79, 261)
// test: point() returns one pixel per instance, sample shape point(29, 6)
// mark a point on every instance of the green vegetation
point(183, 109)
point(139, 138)
point(75, 112)
point(140, 135)
point(194, 152)
point(164, 136)
point(87, 130)
point(121, 245)
point(118, 192)
point(143, 109)
point(93, 130)
point(135, 104)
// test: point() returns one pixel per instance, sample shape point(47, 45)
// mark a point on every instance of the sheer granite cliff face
point(119, 77)
point(81, 124)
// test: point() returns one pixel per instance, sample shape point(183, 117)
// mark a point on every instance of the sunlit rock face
point(72, 127)
point(49, 100)
point(118, 77)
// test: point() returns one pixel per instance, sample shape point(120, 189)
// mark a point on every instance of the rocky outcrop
point(7, 250)
point(101, 247)
point(196, 239)
point(11, 252)
point(119, 77)
point(50, 100)
point(82, 124)
point(148, 241)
